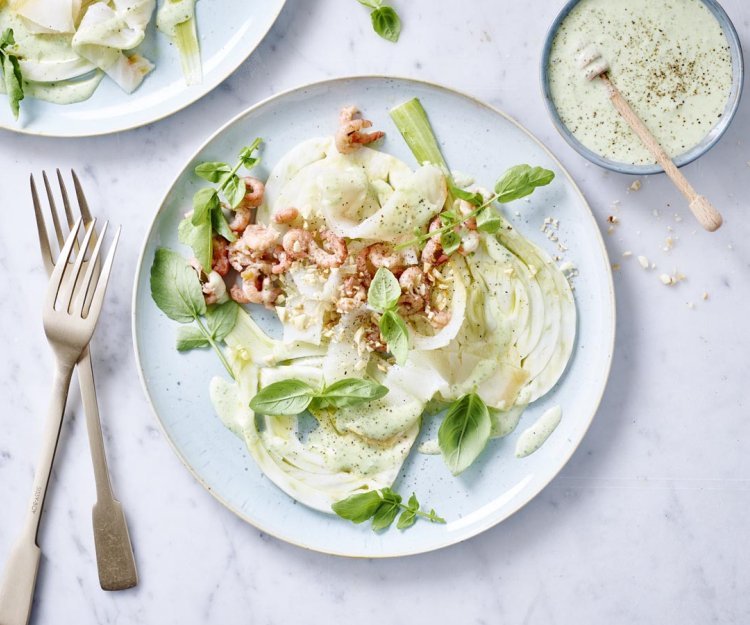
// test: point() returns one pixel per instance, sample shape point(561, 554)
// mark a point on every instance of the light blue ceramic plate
point(475, 138)
point(227, 37)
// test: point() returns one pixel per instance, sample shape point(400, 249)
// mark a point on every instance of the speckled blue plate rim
point(477, 528)
point(711, 139)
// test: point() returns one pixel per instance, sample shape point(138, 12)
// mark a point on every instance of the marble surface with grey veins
point(648, 523)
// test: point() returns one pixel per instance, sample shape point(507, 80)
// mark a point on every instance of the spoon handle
point(704, 212)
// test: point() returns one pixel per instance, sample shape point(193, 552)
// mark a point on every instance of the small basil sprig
point(464, 432)
point(383, 506)
point(208, 217)
point(176, 290)
point(291, 397)
point(517, 182)
point(385, 20)
point(10, 71)
point(383, 296)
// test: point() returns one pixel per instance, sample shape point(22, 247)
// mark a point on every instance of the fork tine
point(55, 280)
point(66, 203)
point(83, 205)
point(69, 289)
point(53, 210)
point(41, 228)
point(85, 291)
point(101, 285)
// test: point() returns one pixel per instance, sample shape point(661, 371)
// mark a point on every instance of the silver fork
point(114, 553)
point(70, 312)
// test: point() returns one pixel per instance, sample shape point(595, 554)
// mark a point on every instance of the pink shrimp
point(414, 287)
point(255, 288)
point(255, 242)
point(286, 215)
point(331, 254)
point(296, 242)
point(349, 136)
point(220, 259)
point(255, 190)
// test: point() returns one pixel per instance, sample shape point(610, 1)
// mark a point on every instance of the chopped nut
point(690, 305)
point(610, 230)
point(643, 261)
point(668, 244)
point(613, 219)
point(635, 186)
point(627, 254)
point(666, 279)
point(704, 296)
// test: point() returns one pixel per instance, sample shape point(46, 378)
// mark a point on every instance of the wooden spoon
point(595, 66)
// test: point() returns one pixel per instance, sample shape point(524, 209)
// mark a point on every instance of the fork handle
point(115, 560)
point(19, 581)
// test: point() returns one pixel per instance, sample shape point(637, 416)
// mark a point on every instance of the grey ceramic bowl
point(738, 76)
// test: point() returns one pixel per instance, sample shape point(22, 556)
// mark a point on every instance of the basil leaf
point(464, 432)
point(212, 171)
point(204, 201)
point(386, 23)
point(358, 508)
point(450, 241)
point(350, 392)
point(7, 38)
point(190, 337)
point(287, 397)
point(475, 199)
point(520, 181)
point(413, 503)
point(488, 220)
point(175, 287)
point(384, 516)
point(395, 334)
point(11, 72)
point(234, 190)
point(407, 519)
point(221, 225)
point(247, 157)
point(199, 238)
point(221, 319)
point(384, 291)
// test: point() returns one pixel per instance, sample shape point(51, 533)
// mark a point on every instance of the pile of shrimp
point(262, 254)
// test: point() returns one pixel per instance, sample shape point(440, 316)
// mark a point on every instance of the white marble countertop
point(648, 523)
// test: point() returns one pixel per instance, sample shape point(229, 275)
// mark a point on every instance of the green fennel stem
point(186, 40)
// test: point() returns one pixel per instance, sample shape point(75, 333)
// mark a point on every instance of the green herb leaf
point(175, 287)
point(234, 190)
point(382, 507)
point(464, 432)
point(248, 158)
point(450, 241)
point(520, 181)
point(386, 23)
point(191, 337)
point(395, 334)
point(287, 397)
point(475, 199)
point(385, 515)
point(350, 392)
point(221, 225)
point(407, 519)
point(7, 38)
point(199, 238)
point(384, 291)
point(213, 171)
point(358, 508)
point(221, 318)
point(204, 201)
point(11, 72)
point(488, 220)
